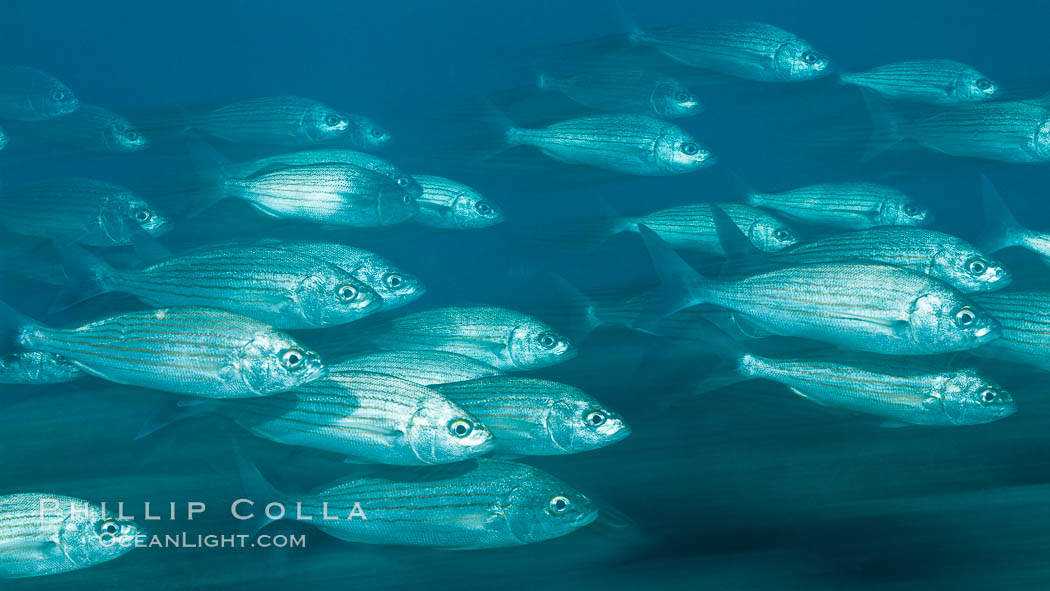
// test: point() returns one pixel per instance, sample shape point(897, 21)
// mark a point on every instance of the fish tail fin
point(680, 285)
point(259, 490)
point(886, 123)
point(1001, 228)
point(741, 254)
point(180, 411)
point(89, 276)
point(13, 328)
point(584, 310)
point(543, 82)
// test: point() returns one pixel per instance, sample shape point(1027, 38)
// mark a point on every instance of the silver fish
point(44, 534)
point(3, 139)
point(629, 144)
point(692, 227)
point(37, 368)
point(932, 81)
point(281, 287)
point(531, 417)
point(426, 368)
point(493, 504)
point(311, 157)
point(1025, 318)
point(284, 120)
point(750, 50)
point(504, 339)
point(844, 205)
point(900, 395)
point(337, 194)
point(89, 128)
point(626, 90)
point(197, 351)
point(866, 307)
point(941, 256)
point(396, 286)
point(366, 417)
point(445, 203)
point(28, 94)
point(87, 211)
point(1003, 131)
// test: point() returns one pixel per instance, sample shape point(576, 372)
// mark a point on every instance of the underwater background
point(743, 488)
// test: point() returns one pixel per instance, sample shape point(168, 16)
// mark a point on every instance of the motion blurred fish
point(447, 204)
point(626, 90)
point(1002, 131)
point(28, 94)
point(365, 134)
point(283, 120)
point(336, 194)
point(844, 205)
point(396, 286)
point(754, 51)
point(280, 287)
point(530, 417)
point(37, 368)
point(692, 227)
point(425, 368)
point(197, 351)
point(311, 157)
point(492, 504)
point(629, 144)
point(44, 534)
point(3, 139)
point(1002, 230)
point(89, 128)
point(866, 307)
point(1025, 318)
point(366, 417)
point(504, 339)
point(941, 256)
point(932, 81)
point(903, 396)
point(94, 213)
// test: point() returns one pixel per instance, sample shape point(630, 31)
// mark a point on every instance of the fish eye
point(331, 120)
point(143, 215)
point(407, 199)
point(347, 293)
point(108, 527)
point(559, 504)
point(989, 395)
point(977, 267)
point(460, 428)
point(402, 181)
point(131, 135)
point(682, 96)
point(810, 57)
point(394, 280)
point(596, 418)
point(547, 340)
point(292, 359)
point(483, 208)
point(58, 95)
point(377, 133)
point(911, 210)
point(690, 149)
point(984, 84)
point(965, 317)
point(782, 235)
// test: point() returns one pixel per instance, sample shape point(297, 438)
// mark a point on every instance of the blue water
point(750, 488)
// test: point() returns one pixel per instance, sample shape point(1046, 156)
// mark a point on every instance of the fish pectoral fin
point(32, 549)
point(889, 326)
point(807, 397)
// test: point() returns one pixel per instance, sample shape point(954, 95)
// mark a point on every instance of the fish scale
point(422, 367)
point(931, 81)
point(1025, 317)
point(851, 205)
point(693, 226)
point(1007, 131)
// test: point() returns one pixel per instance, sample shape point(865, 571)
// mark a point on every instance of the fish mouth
point(986, 334)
